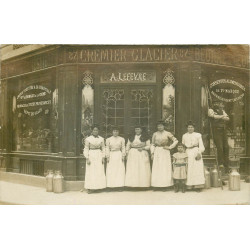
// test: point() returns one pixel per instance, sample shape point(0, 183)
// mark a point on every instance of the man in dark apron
point(219, 118)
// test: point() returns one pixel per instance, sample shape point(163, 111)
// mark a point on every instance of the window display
point(232, 94)
point(168, 101)
point(35, 117)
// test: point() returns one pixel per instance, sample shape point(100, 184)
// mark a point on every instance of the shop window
point(35, 116)
point(232, 94)
point(142, 108)
point(113, 110)
point(87, 106)
point(168, 100)
point(125, 107)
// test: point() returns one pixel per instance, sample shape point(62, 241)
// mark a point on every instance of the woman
point(138, 165)
point(94, 152)
point(115, 154)
point(194, 150)
point(160, 154)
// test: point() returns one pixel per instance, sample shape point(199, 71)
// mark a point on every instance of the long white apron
point(95, 175)
point(115, 172)
point(195, 172)
point(138, 171)
point(162, 175)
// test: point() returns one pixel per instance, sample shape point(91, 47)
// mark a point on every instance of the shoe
point(164, 189)
point(90, 191)
point(183, 188)
point(247, 180)
point(176, 188)
point(198, 190)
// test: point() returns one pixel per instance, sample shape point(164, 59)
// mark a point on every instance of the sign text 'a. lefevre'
point(128, 77)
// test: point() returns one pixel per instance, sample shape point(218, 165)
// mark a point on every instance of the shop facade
point(52, 94)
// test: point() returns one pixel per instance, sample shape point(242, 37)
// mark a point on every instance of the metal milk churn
point(234, 176)
point(58, 182)
point(215, 177)
point(49, 181)
point(234, 180)
point(207, 179)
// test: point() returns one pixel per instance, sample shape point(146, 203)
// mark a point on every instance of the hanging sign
point(227, 90)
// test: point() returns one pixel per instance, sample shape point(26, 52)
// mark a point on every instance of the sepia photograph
point(124, 124)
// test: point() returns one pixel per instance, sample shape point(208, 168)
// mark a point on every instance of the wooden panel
point(70, 91)
point(61, 126)
point(183, 102)
point(195, 97)
point(68, 105)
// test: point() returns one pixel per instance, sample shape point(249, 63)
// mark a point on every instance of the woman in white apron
point(138, 171)
point(94, 152)
point(115, 154)
point(162, 176)
point(194, 149)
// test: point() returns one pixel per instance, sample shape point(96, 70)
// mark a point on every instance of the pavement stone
point(12, 193)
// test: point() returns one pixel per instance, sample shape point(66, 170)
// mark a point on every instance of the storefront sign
point(227, 90)
point(128, 77)
point(34, 99)
point(221, 55)
point(128, 55)
point(231, 55)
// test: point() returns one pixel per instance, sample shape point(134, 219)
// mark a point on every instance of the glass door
point(126, 106)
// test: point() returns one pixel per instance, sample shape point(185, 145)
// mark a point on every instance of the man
point(219, 118)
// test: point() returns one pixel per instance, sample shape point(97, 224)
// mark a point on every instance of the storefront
point(50, 97)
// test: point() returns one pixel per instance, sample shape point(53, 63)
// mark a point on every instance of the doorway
point(125, 106)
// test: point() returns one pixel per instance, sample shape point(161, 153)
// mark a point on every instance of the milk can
point(58, 182)
point(207, 179)
point(215, 177)
point(234, 180)
point(247, 180)
point(49, 181)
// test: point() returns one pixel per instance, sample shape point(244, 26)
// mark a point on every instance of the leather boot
point(176, 187)
point(183, 188)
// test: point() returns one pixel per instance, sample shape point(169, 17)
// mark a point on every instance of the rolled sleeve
point(107, 148)
point(123, 147)
point(201, 145)
point(86, 149)
point(174, 140)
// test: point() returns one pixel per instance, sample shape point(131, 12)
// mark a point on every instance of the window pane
point(112, 110)
point(35, 117)
point(232, 94)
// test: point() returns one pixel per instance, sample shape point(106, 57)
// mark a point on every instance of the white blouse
point(136, 143)
point(161, 139)
point(94, 143)
point(115, 144)
point(194, 139)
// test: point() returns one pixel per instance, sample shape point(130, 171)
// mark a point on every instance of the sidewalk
point(11, 193)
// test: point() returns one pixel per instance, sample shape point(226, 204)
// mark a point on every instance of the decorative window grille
point(142, 108)
point(113, 111)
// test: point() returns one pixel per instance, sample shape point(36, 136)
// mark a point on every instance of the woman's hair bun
point(190, 123)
